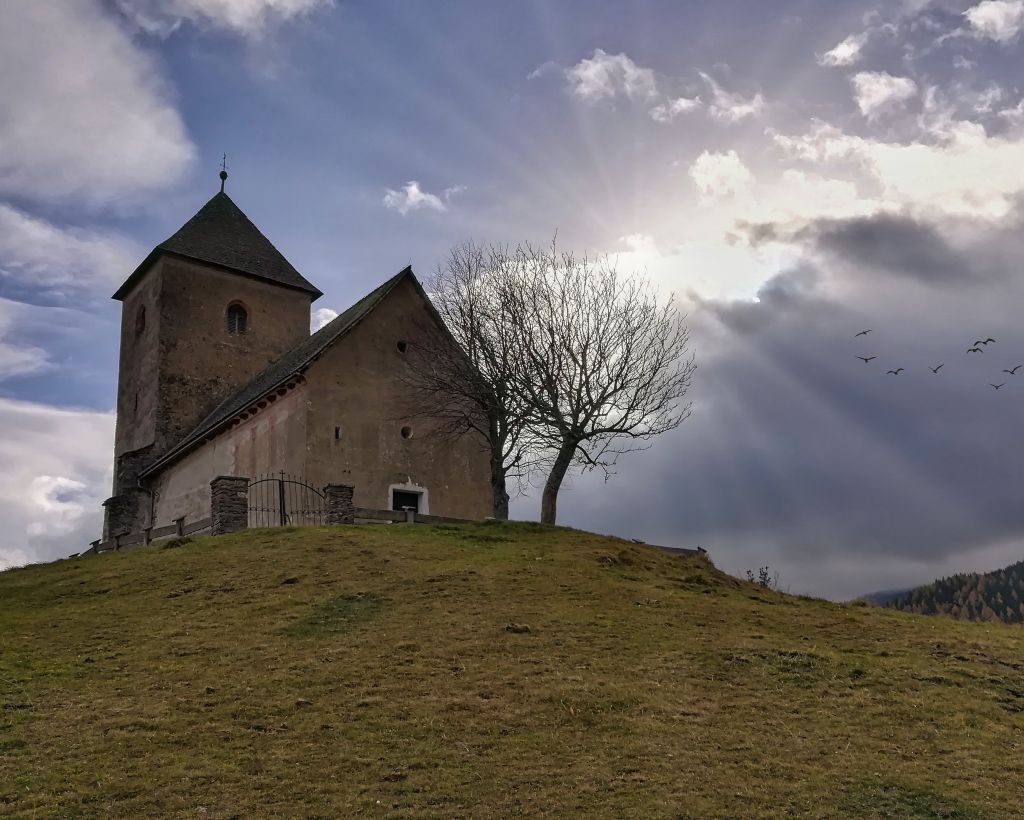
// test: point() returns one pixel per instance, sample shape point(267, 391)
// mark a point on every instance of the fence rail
point(130, 540)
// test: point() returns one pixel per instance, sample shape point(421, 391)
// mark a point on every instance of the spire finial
point(223, 172)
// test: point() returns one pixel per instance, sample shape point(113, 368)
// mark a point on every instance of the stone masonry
point(229, 504)
point(340, 509)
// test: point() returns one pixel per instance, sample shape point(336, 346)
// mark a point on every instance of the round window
point(406, 432)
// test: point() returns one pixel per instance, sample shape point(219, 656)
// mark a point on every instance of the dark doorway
point(401, 500)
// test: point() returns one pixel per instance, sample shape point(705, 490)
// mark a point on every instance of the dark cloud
point(800, 455)
point(892, 244)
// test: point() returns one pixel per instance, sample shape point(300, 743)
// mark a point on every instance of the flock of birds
point(978, 347)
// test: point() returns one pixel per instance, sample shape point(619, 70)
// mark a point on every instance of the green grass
point(367, 671)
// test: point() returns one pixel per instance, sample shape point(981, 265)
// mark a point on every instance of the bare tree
point(468, 386)
point(600, 361)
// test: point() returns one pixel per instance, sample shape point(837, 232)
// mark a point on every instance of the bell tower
point(205, 312)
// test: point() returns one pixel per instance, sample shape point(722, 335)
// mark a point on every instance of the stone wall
point(229, 504)
point(340, 509)
point(120, 515)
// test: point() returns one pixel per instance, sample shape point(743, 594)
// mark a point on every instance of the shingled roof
point(221, 235)
point(278, 374)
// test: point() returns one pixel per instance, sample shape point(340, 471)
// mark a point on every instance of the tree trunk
point(499, 492)
point(549, 500)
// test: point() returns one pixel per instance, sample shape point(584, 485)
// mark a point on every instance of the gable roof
point(293, 362)
point(221, 235)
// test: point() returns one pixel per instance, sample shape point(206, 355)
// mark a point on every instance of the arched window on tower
point(238, 320)
point(140, 320)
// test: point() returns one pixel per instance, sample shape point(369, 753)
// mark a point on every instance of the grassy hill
point(369, 671)
point(973, 596)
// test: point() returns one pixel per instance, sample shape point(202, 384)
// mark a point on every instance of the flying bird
point(1014, 371)
point(996, 386)
point(988, 341)
point(975, 350)
point(862, 333)
point(936, 369)
point(895, 372)
point(866, 359)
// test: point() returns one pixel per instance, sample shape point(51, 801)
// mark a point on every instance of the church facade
point(220, 376)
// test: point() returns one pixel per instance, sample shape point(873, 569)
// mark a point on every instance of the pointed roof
point(278, 374)
point(221, 235)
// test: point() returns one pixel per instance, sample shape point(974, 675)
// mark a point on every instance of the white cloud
point(878, 92)
point(21, 361)
point(57, 471)
point(999, 20)
point(247, 17)
point(15, 359)
point(957, 169)
point(847, 53)
point(720, 175)
point(669, 110)
point(1014, 116)
point(545, 68)
point(705, 266)
point(411, 198)
point(63, 262)
point(86, 114)
point(731, 107)
point(321, 317)
point(606, 76)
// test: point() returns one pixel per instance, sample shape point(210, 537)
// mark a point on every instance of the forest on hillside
point(990, 596)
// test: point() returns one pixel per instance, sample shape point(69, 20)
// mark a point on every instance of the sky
point(791, 173)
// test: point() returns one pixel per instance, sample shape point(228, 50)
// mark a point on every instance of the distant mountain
point(990, 596)
point(884, 597)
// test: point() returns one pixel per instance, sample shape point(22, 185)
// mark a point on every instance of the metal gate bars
point(280, 500)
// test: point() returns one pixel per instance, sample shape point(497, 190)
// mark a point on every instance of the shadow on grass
point(877, 800)
point(339, 615)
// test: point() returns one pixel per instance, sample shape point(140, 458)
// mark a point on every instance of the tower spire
point(223, 172)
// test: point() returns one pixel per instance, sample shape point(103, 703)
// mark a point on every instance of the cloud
point(667, 111)
point(57, 471)
point(39, 260)
point(607, 76)
point(96, 122)
point(999, 20)
point(246, 17)
point(958, 168)
point(796, 451)
point(730, 107)
point(321, 317)
point(846, 53)
point(411, 198)
point(453, 191)
point(1014, 116)
point(878, 92)
point(894, 244)
point(720, 175)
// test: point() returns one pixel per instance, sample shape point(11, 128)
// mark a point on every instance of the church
point(220, 376)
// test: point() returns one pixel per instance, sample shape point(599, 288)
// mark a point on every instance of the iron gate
point(285, 501)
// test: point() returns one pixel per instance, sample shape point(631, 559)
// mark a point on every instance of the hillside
point(369, 671)
point(989, 596)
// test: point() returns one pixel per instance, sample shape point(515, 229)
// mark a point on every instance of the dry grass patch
point(369, 671)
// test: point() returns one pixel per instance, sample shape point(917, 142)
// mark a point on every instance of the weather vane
point(223, 172)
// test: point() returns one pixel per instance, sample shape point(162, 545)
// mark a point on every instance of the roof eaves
point(130, 282)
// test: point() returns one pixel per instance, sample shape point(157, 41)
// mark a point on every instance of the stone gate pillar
point(340, 509)
point(229, 504)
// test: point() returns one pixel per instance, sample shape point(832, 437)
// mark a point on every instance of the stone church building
point(220, 376)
